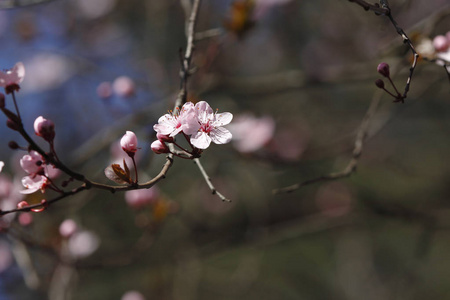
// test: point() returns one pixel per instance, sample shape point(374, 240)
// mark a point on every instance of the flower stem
point(15, 104)
point(135, 170)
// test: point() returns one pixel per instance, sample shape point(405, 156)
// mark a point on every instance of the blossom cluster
point(198, 121)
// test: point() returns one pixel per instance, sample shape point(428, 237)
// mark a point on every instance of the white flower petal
point(201, 140)
point(223, 119)
point(221, 135)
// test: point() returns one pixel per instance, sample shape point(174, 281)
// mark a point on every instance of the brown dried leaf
point(111, 174)
point(127, 171)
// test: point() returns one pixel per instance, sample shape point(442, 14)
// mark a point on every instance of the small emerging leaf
point(127, 171)
point(111, 174)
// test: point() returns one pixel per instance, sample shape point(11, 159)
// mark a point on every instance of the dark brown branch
point(373, 7)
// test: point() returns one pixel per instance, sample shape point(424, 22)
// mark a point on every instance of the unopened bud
point(383, 69)
point(440, 43)
point(379, 83)
point(129, 143)
point(12, 125)
point(159, 147)
point(13, 145)
point(164, 138)
point(44, 128)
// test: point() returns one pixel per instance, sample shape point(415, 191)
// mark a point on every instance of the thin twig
point(357, 150)
point(186, 63)
point(407, 41)
point(208, 181)
point(373, 7)
point(386, 11)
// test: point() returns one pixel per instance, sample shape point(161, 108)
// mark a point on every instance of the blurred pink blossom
point(25, 218)
point(251, 133)
point(93, 9)
point(132, 295)
point(124, 86)
point(441, 43)
point(104, 90)
point(47, 71)
point(67, 228)
point(140, 198)
point(2, 164)
point(83, 243)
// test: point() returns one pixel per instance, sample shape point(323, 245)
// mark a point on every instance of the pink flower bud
point(129, 143)
point(159, 147)
point(164, 138)
point(44, 128)
point(441, 43)
point(383, 69)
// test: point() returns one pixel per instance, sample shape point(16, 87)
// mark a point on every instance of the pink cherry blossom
point(34, 183)
point(13, 76)
point(210, 126)
point(129, 142)
point(67, 228)
point(32, 163)
point(44, 128)
point(2, 164)
point(185, 121)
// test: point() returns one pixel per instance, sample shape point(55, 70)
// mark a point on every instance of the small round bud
point(44, 128)
point(164, 138)
point(383, 69)
point(13, 145)
point(379, 83)
point(159, 147)
point(12, 125)
point(2, 100)
point(440, 43)
point(129, 143)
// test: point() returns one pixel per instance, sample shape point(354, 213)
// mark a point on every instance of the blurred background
point(298, 77)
